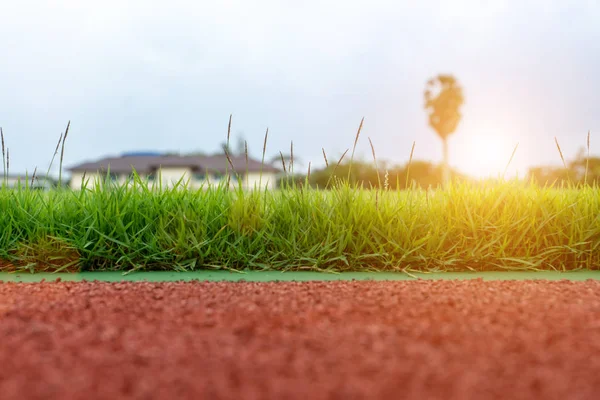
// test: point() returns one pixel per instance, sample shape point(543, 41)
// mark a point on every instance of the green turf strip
point(258, 276)
point(504, 226)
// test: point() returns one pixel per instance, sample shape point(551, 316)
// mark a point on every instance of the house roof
point(147, 163)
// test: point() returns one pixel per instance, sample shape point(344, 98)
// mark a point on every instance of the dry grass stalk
point(510, 161)
point(292, 157)
point(3, 154)
point(562, 158)
point(356, 138)
point(62, 154)
point(386, 183)
point(376, 167)
point(246, 153)
point(33, 176)
point(229, 130)
point(412, 153)
point(54, 155)
point(229, 160)
point(227, 150)
point(262, 163)
point(560, 152)
point(354, 146)
point(283, 162)
point(336, 167)
point(587, 161)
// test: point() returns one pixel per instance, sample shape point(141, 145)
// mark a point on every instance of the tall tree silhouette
point(443, 98)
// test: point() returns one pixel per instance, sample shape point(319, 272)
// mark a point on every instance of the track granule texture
point(301, 340)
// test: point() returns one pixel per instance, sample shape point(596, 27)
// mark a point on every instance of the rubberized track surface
point(298, 340)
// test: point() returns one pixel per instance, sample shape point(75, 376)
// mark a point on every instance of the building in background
point(25, 180)
point(196, 171)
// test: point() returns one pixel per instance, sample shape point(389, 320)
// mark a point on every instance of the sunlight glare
point(485, 155)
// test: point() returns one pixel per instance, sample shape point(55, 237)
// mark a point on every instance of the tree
point(422, 174)
point(584, 169)
point(289, 162)
point(443, 98)
point(241, 145)
point(548, 176)
point(225, 148)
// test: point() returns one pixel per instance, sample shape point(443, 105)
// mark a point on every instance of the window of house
point(112, 176)
point(198, 176)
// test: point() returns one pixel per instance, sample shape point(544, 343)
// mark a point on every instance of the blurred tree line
point(575, 171)
point(425, 174)
point(422, 174)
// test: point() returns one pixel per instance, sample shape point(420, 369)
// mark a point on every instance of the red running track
point(301, 340)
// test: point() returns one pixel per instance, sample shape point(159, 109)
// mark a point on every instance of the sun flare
point(484, 155)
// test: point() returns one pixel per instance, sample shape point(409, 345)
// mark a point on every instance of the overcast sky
point(143, 75)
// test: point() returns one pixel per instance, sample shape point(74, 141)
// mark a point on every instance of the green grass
point(485, 226)
point(508, 226)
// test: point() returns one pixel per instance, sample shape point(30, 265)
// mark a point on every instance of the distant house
point(196, 170)
point(15, 181)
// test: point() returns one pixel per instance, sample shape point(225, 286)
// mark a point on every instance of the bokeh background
point(165, 76)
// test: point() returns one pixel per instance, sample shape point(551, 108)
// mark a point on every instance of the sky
point(165, 76)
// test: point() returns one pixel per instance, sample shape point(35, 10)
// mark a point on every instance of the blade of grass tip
point(325, 157)
point(308, 175)
point(230, 161)
point(587, 161)
point(229, 129)
point(227, 145)
point(62, 154)
point(264, 151)
point(376, 166)
point(412, 153)
point(562, 158)
point(283, 162)
point(292, 157)
point(246, 153)
point(335, 167)
point(588, 141)
point(54, 155)
point(510, 161)
point(5, 176)
point(33, 176)
point(284, 168)
point(354, 146)
point(560, 152)
point(341, 158)
point(386, 183)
